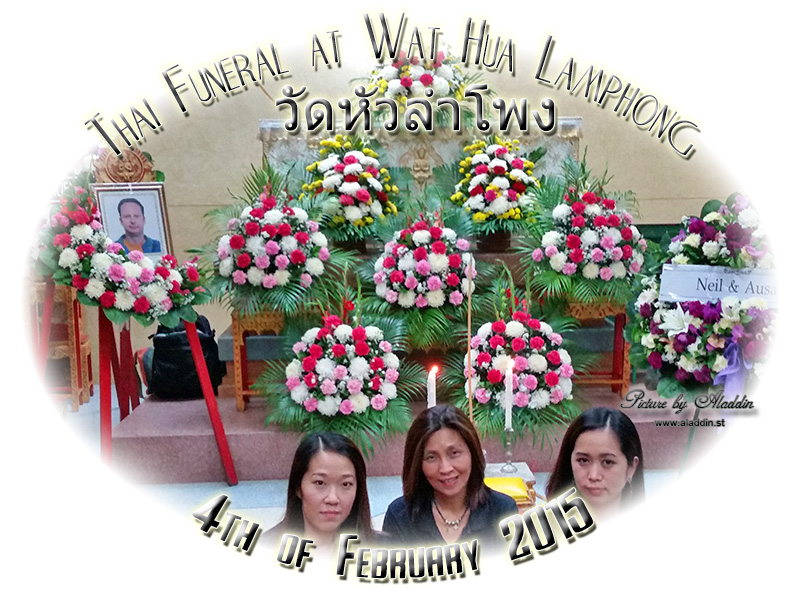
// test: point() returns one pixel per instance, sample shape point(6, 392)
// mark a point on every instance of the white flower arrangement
point(411, 77)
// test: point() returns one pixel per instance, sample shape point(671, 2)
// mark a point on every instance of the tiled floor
point(263, 501)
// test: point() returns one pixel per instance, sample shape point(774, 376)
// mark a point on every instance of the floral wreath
point(357, 188)
point(496, 186)
point(693, 345)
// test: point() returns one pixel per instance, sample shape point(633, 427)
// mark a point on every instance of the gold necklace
point(451, 523)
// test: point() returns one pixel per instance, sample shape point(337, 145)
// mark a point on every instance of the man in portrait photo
point(131, 217)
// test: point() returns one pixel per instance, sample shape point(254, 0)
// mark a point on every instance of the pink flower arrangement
point(339, 370)
point(542, 369)
point(269, 246)
point(424, 266)
point(592, 237)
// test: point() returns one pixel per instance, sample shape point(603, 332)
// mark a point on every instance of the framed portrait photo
point(135, 215)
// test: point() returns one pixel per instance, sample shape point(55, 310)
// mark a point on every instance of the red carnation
point(627, 234)
point(454, 260)
point(297, 257)
point(192, 274)
point(375, 383)
point(518, 186)
point(309, 363)
point(243, 261)
point(627, 251)
point(389, 262)
point(62, 239)
point(534, 324)
point(420, 225)
point(420, 254)
point(284, 229)
point(554, 358)
point(236, 242)
point(107, 299)
point(301, 237)
point(257, 212)
point(435, 232)
point(426, 79)
point(551, 378)
point(315, 351)
point(84, 250)
point(322, 333)
point(518, 344)
point(170, 259)
point(406, 81)
point(614, 220)
point(397, 276)
point(600, 221)
point(359, 334)
point(270, 230)
point(338, 350)
point(332, 322)
point(477, 190)
point(439, 247)
point(141, 305)
point(252, 229)
point(499, 326)
point(79, 283)
point(362, 349)
point(494, 376)
point(269, 203)
point(578, 222)
point(589, 198)
point(573, 242)
point(310, 380)
point(499, 169)
point(537, 343)
point(520, 316)
point(578, 207)
point(376, 363)
point(609, 203)
point(176, 288)
point(351, 179)
point(452, 280)
point(576, 256)
point(496, 341)
point(484, 358)
point(382, 196)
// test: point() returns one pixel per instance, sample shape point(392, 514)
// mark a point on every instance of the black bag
point(174, 375)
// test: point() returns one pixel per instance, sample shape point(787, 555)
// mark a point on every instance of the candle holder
point(508, 467)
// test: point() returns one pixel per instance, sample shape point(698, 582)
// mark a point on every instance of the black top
point(482, 524)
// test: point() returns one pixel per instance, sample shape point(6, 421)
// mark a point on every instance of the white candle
point(509, 394)
point(432, 387)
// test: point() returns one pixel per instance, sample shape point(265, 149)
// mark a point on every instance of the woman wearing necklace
point(444, 497)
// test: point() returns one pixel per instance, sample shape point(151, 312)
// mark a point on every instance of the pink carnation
point(269, 281)
point(354, 386)
point(147, 275)
point(292, 382)
point(598, 255)
point(305, 279)
point(521, 399)
point(481, 395)
point(385, 346)
point(310, 405)
point(391, 296)
point(346, 407)
point(239, 277)
point(520, 363)
point(566, 371)
point(462, 244)
point(616, 253)
point(556, 395)
point(299, 347)
point(114, 248)
point(392, 375)
point(423, 267)
point(606, 273)
point(324, 254)
point(116, 272)
point(272, 247)
point(550, 251)
point(456, 298)
point(569, 268)
point(607, 242)
point(340, 372)
point(635, 266)
point(530, 382)
point(411, 282)
point(537, 255)
point(421, 302)
point(378, 403)
point(556, 338)
point(262, 262)
point(281, 261)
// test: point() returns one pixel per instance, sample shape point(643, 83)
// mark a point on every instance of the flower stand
point(619, 377)
point(243, 325)
point(123, 367)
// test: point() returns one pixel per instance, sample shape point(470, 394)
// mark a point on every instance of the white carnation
point(315, 267)
point(255, 276)
point(328, 407)
point(407, 262)
point(501, 362)
point(100, 261)
point(551, 238)
point(590, 271)
point(537, 363)
point(389, 390)
point(566, 386)
point(300, 393)
point(288, 245)
point(499, 206)
point(319, 239)
point(406, 299)
point(343, 333)
point(154, 293)
point(310, 335)
point(438, 262)
point(562, 212)
point(388, 72)
point(81, 232)
point(300, 214)
point(557, 262)
point(359, 368)
point(294, 369)
point(711, 249)
point(445, 72)
point(421, 237)
point(545, 329)
point(332, 182)
point(565, 357)
point(273, 217)
point(69, 258)
point(515, 329)
point(352, 213)
point(255, 245)
point(123, 300)
point(618, 269)
point(282, 277)
point(692, 240)
point(226, 267)
point(435, 298)
point(539, 399)
point(589, 239)
point(373, 333)
point(324, 368)
point(360, 403)
point(440, 86)
point(748, 218)
point(390, 360)
point(593, 210)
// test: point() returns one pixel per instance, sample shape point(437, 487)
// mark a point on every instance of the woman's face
point(328, 490)
point(599, 467)
point(447, 463)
